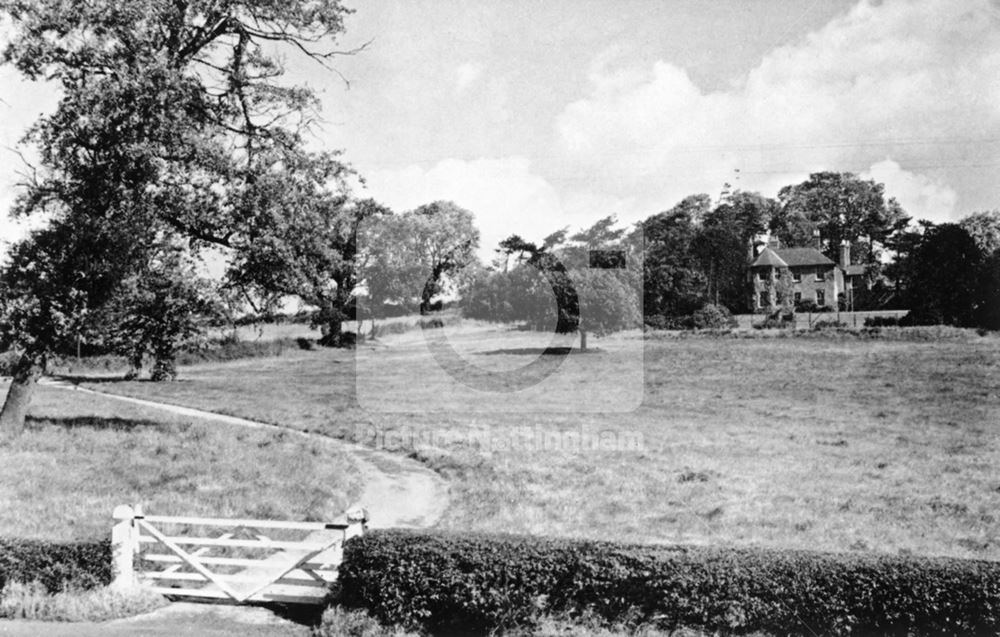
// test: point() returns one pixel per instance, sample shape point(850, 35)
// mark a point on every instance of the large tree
point(172, 121)
point(674, 284)
point(842, 207)
point(944, 278)
point(984, 228)
point(447, 239)
point(583, 285)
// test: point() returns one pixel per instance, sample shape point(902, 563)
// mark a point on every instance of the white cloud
point(466, 75)
point(919, 80)
point(921, 196)
point(504, 194)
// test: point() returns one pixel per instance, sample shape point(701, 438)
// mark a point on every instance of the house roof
point(790, 257)
point(804, 256)
point(769, 258)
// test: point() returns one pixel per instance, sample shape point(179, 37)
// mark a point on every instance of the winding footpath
point(397, 492)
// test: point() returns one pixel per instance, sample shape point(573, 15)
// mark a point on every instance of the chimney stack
point(845, 254)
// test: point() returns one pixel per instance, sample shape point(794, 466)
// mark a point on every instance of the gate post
point(124, 546)
point(357, 523)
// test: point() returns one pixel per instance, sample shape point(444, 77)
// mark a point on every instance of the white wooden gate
point(241, 561)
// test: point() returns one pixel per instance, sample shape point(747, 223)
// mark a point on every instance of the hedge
point(475, 584)
point(56, 565)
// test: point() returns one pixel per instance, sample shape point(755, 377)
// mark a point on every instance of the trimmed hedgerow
point(55, 565)
point(475, 584)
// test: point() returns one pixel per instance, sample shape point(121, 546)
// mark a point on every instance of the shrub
point(55, 565)
point(661, 322)
point(828, 324)
point(777, 319)
point(713, 317)
point(475, 584)
point(806, 305)
point(229, 349)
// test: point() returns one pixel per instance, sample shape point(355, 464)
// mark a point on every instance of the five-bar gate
point(236, 561)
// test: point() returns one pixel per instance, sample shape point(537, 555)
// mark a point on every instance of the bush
point(710, 317)
point(475, 584)
point(55, 565)
point(777, 319)
point(713, 317)
point(229, 349)
point(828, 324)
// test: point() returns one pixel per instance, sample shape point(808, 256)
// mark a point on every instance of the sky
point(541, 114)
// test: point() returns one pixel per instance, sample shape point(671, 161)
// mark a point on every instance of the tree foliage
point(842, 207)
point(944, 285)
point(172, 125)
point(580, 285)
point(447, 239)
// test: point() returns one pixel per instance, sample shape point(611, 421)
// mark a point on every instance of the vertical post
point(357, 523)
point(124, 546)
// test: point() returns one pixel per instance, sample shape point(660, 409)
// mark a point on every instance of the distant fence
point(250, 561)
point(805, 319)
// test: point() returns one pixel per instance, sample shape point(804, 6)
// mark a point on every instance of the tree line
point(695, 257)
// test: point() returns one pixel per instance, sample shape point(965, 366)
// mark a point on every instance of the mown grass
point(82, 455)
point(831, 443)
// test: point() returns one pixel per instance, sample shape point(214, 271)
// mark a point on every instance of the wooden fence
point(240, 561)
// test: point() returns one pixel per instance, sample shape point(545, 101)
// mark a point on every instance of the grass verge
point(34, 602)
point(82, 455)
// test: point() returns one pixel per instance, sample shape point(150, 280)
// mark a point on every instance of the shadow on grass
point(539, 351)
point(77, 379)
point(93, 422)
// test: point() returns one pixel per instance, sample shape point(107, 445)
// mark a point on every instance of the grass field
point(831, 443)
point(83, 455)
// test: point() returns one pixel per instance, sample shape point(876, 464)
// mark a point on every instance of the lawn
point(82, 455)
point(832, 442)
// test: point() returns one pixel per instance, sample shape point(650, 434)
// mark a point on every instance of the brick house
point(803, 274)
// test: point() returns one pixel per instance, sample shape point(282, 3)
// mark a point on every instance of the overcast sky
point(540, 114)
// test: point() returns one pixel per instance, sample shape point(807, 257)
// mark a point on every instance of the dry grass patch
point(32, 601)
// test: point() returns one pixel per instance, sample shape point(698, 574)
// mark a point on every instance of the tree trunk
point(334, 330)
point(583, 340)
point(27, 371)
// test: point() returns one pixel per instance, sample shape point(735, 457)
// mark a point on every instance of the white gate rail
point(240, 565)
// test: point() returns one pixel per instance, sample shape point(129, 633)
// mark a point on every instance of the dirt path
point(397, 492)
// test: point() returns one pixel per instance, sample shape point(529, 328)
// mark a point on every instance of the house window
point(796, 275)
point(820, 297)
point(760, 275)
point(777, 274)
point(819, 274)
point(762, 299)
point(798, 297)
